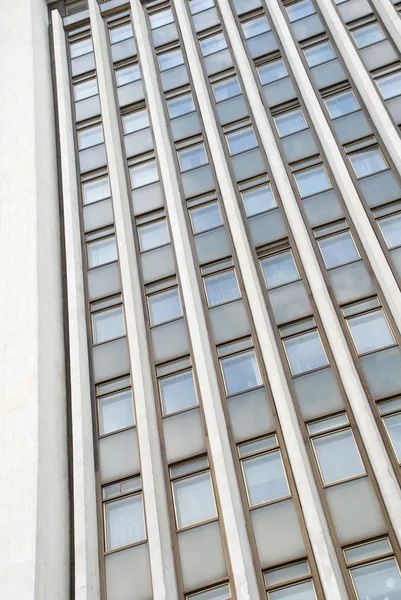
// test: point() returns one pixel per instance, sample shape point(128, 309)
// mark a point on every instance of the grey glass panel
point(183, 435)
point(301, 591)
point(367, 35)
point(147, 198)
point(243, 6)
point(177, 392)
point(307, 27)
point(261, 45)
point(212, 245)
point(84, 109)
point(83, 64)
point(165, 35)
point(116, 411)
point(170, 341)
point(394, 107)
point(205, 19)
point(125, 523)
point(194, 499)
point(229, 321)
point(290, 302)
point(265, 478)
point(305, 352)
point(118, 455)
point(98, 215)
point(351, 127)
point(267, 227)
point(279, 269)
point(318, 393)
point(185, 126)
point(382, 371)
point(378, 55)
point(104, 281)
point(322, 208)
point(248, 164)
point(380, 188)
point(158, 263)
point(345, 503)
point(92, 158)
point(241, 372)
point(110, 360)
point(197, 182)
point(328, 74)
point(370, 331)
point(205, 217)
point(338, 456)
point(130, 93)
point(126, 571)
point(138, 143)
point(378, 580)
point(220, 61)
point(232, 110)
point(174, 78)
point(300, 145)
point(288, 541)
point(123, 50)
point(201, 546)
point(351, 282)
point(250, 414)
point(393, 426)
point(354, 10)
point(279, 91)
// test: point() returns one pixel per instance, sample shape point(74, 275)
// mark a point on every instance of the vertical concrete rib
point(87, 585)
point(232, 510)
point(315, 521)
point(352, 384)
point(388, 14)
point(159, 536)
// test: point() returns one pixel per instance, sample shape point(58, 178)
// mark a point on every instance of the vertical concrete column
point(157, 519)
point(231, 506)
point(34, 518)
point(86, 550)
point(313, 513)
point(352, 384)
point(388, 14)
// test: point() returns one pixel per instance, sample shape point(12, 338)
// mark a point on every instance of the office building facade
point(200, 234)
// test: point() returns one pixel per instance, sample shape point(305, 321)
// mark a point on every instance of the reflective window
point(265, 478)
point(338, 249)
point(312, 181)
point(379, 580)
point(143, 174)
point(85, 89)
point(127, 75)
point(222, 592)
point(341, 104)
point(82, 47)
point(76, 7)
point(299, 10)
point(180, 106)
point(338, 456)
point(161, 18)
point(213, 44)
point(241, 372)
point(370, 331)
point(102, 251)
point(272, 71)
point(135, 121)
point(108, 325)
point(192, 157)
point(283, 574)
point(228, 88)
point(221, 288)
point(319, 54)
point(255, 27)
point(390, 85)
point(153, 235)
point(118, 34)
point(198, 6)
point(241, 141)
point(177, 392)
point(391, 230)
point(258, 200)
point(164, 307)
point(279, 269)
point(305, 352)
point(393, 426)
point(116, 412)
point(367, 162)
point(205, 217)
point(96, 189)
point(290, 122)
point(90, 137)
point(370, 34)
point(125, 524)
point(300, 591)
point(194, 500)
point(171, 59)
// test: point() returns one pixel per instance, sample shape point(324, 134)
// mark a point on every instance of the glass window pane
point(276, 576)
point(365, 36)
point(81, 47)
point(319, 54)
point(197, 6)
point(338, 249)
point(312, 181)
point(85, 89)
point(391, 230)
point(272, 71)
point(170, 59)
point(255, 27)
point(242, 140)
point(213, 44)
point(108, 325)
point(218, 593)
point(279, 269)
point(393, 426)
point(299, 10)
point(305, 352)
point(178, 392)
point(153, 235)
point(127, 74)
point(222, 288)
point(76, 7)
point(97, 189)
point(258, 200)
point(341, 104)
point(390, 86)
point(194, 500)
point(370, 331)
point(380, 580)
point(302, 591)
point(164, 307)
point(226, 89)
point(205, 217)
point(116, 412)
point(124, 522)
point(117, 34)
point(338, 456)
point(290, 122)
point(191, 158)
point(102, 251)
point(161, 18)
point(144, 174)
point(262, 444)
point(365, 551)
point(265, 478)
point(90, 137)
point(135, 121)
point(180, 106)
point(367, 162)
point(241, 372)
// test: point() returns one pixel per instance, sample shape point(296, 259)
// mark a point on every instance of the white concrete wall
point(34, 558)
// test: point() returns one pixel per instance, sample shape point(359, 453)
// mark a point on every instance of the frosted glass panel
point(382, 371)
point(123, 49)
point(351, 282)
point(290, 302)
point(248, 164)
point(82, 64)
point(327, 74)
point(308, 27)
point(318, 393)
point(278, 92)
point(202, 555)
point(173, 78)
point(158, 263)
point(130, 93)
point(232, 110)
point(85, 109)
point(118, 455)
point(138, 142)
point(220, 61)
point(126, 571)
point(250, 414)
point(104, 281)
point(165, 35)
point(170, 341)
point(352, 127)
point(229, 321)
point(322, 208)
point(183, 434)
point(212, 245)
point(98, 215)
point(147, 198)
point(198, 181)
point(380, 188)
point(354, 10)
point(261, 45)
point(277, 531)
point(194, 499)
point(355, 510)
point(205, 19)
point(300, 145)
point(185, 126)
point(110, 359)
point(92, 158)
point(378, 55)
point(267, 227)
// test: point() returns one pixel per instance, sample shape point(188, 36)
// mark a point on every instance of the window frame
point(260, 65)
point(308, 329)
point(327, 97)
point(287, 111)
point(202, 205)
point(210, 35)
point(101, 234)
point(124, 385)
point(127, 66)
point(374, 309)
point(252, 185)
point(168, 288)
point(147, 223)
point(319, 42)
point(85, 127)
point(249, 349)
point(277, 252)
point(343, 227)
point(309, 168)
point(364, 149)
point(177, 371)
point(289, 582)
point(93, 311)
point(215, 273)
point(287, 5)
point(189, 146)
point(359, 26)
